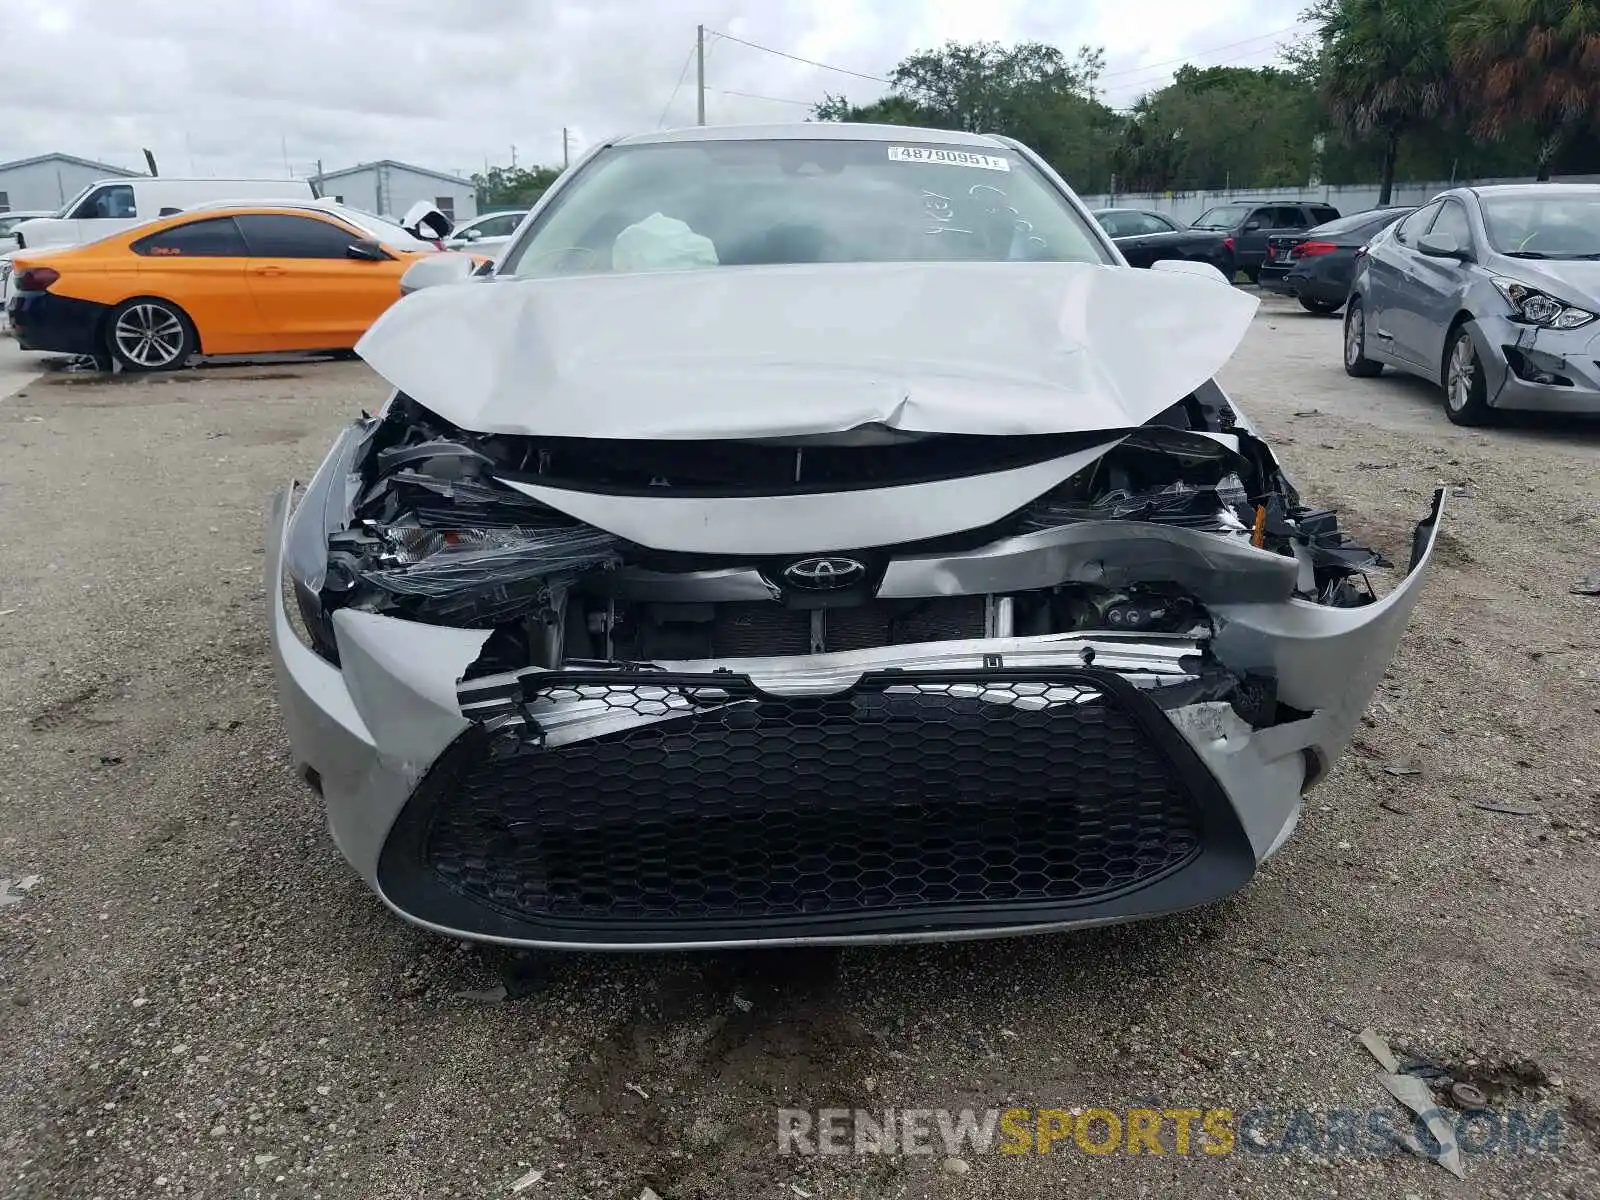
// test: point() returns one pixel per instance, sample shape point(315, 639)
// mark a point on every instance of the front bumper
point(924, 792)
point(1518, 359)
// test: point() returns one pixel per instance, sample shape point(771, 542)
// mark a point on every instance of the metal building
point(48, 181)
point(389, 188)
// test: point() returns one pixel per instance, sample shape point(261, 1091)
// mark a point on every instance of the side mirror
point(437, 270)
point(1187, 266)
point(1252, 225)
point(473, 235)
point(1441, 245)
point(368, 250)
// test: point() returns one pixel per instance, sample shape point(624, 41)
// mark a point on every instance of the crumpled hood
point(741, 352)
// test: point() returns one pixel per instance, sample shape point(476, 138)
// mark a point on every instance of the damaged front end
point(865, 685)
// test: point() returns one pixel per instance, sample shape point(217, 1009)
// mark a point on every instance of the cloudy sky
point(249, 87)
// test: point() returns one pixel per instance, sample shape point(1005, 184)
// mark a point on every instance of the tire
point(147, 334)
point(1323, 308)
point(1466, 391)
point(1253, 276)
point(1356, 362)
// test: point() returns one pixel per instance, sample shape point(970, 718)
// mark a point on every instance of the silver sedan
point(1491, 292)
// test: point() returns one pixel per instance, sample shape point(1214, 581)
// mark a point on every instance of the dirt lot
point(197, 998)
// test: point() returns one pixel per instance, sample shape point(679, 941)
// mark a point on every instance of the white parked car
point(109, 206)
point(486, 234)
point(9, 222)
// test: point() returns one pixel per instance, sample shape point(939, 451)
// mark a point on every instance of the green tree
point(1533, 64)
point(1215, 125)
point(1384, 70)
point(513, 187)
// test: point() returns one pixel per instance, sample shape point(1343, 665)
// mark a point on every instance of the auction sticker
point(949, 158)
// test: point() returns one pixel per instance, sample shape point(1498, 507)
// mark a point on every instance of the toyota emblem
point(824, 574)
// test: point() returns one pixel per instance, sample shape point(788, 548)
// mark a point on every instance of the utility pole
point(566, 155)
point(700, 71)
point(513, 156)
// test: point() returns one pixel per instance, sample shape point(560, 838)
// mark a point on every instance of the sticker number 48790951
point(949, 158)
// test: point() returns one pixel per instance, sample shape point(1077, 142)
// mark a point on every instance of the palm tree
point(1384, 68)
point(1534, 63)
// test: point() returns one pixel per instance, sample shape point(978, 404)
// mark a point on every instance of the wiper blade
point(1525, 254)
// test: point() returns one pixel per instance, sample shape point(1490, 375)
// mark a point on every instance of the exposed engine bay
point(436, 532)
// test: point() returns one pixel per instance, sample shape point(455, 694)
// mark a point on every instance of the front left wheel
point(1356, 362)
point(146, 334)
point(1466, 391)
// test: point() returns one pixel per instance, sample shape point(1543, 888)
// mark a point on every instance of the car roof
point(1528, 189)
point(839, 131)
point(328, 206)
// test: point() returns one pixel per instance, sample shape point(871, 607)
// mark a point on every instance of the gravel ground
point(197, 998)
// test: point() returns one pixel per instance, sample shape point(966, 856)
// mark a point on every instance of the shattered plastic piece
point(486, 572)
point(637, 1091)
point(523, 1182)
point(1587, 587)
point(12, 890)
point(1415, 1095)
point(1379, 1049)
point(649, 1193)
point(492, 995)
point(1466, 1096)
point(1402, 770)
point(1510, 807)
point(1209, 508)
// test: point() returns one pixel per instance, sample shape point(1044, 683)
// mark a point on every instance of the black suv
point(1245, 225)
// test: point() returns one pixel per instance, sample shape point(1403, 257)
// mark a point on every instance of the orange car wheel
point(147, 334)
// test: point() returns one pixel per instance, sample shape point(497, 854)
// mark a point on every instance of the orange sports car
point(219, 279)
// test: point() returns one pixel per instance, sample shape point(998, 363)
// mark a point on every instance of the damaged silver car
point(814, 534)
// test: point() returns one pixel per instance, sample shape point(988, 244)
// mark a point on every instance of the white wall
point(48, 184)
point(1352, 198)
point(391, 190)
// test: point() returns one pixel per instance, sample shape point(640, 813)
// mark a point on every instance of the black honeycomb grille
point(962, 791)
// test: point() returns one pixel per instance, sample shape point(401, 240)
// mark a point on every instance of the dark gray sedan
point(1491, 292)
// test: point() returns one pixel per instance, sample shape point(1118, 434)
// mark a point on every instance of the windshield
point(728, 203)
point(1224, 216)
point(65, 210)
point(1554, 224)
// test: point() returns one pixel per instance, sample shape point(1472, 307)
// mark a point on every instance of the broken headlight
point(1531, 305)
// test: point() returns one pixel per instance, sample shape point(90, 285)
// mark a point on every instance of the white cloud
point(224, 87)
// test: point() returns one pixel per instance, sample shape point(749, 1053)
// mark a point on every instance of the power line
point(1190, 58)
point(810, 62)
point(682, 75)
point(754, 96)
point(1138, 88)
